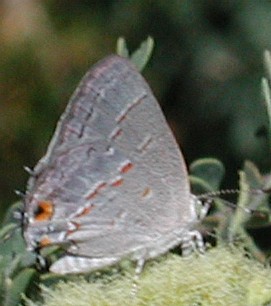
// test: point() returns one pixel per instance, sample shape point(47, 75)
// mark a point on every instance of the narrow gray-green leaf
point(267, 100)
point(122, 49)
point(267, 63)
point(142, 55)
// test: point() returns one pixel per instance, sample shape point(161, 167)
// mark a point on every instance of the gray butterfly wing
point(113, 180)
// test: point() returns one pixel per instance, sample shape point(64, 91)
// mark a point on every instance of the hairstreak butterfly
point(113, 183)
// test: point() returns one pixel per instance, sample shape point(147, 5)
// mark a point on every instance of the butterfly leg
point(192, 241)
point(201, 206)
point(139, 268)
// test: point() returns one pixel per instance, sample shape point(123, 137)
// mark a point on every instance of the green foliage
point(141, 56)
point(222, 276)
point(15, 271)
point(266, 89)
point(234, 223)
point(206, 68)
point(206, 174)
point(204, 72)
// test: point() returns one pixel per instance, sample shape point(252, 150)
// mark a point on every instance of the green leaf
point(267, 100)
point(9, 215)
point(7, 230)
point(253, 176)
point(17, 286)
point(209, 170)
point(258, 201)
point(122, 49)
point(199, 185)
point(141, 56)
point(266, 89)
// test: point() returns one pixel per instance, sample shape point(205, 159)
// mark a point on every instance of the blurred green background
point(205, 72)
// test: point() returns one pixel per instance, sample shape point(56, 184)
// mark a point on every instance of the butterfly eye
point(44, 211)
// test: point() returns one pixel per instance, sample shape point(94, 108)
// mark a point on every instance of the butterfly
point(113, 183)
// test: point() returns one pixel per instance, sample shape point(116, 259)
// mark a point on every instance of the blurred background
point(205, 72)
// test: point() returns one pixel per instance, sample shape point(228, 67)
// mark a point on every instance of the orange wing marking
point(126, 168)
point(96, 191)
point(85, 211)
point(116, 133)
point(45, 241)
point(118, 182)
point(44, 211)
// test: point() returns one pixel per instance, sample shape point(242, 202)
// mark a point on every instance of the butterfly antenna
point(215, 194)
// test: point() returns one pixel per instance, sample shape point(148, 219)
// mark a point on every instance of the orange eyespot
point(44, 211)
